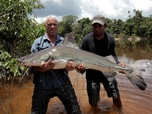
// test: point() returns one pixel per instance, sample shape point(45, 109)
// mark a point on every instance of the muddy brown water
point(17, 99)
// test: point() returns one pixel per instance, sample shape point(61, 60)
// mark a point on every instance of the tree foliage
point(17, 31)
point(65, 26)
point(135, 26)
point(16, 28)
point(81, 28)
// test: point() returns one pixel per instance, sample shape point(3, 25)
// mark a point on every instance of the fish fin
point(70, 41)
point(136, 79)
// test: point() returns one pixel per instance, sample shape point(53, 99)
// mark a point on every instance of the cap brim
point(98, 21)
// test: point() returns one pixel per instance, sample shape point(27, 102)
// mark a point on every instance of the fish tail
point(136, 79)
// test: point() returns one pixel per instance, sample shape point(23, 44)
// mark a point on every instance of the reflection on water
point(137, 53)
point(17, 100)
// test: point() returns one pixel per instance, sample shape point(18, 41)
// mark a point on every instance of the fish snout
point(21, 61)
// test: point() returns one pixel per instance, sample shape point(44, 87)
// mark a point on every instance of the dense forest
point(18, 30)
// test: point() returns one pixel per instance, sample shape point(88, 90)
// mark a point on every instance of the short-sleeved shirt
point(50, 79)
point(103, 47)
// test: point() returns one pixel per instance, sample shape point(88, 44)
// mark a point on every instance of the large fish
point(60, 54)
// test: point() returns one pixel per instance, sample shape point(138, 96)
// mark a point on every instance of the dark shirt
point(103, 47)
point(52, 78)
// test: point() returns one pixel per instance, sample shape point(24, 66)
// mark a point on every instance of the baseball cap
point(99, 19)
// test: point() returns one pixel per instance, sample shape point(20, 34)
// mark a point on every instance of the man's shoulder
point(109, 35)
point(88, 36)
point(39, 39)
point(60, 37)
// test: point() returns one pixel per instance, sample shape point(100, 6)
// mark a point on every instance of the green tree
point(81, 28)
point(17, 29)
point(116, 27)
point(17, 32)
point(137, 20)
point(65, 26)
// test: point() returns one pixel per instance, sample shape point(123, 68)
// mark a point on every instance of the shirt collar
point(58, 38)
point(46, 37)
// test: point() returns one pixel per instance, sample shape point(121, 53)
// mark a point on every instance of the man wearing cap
point(103, 44)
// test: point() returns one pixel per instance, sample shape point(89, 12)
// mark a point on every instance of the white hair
point(50, 16)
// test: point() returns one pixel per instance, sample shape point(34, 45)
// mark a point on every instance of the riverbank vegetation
point(18, 30)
